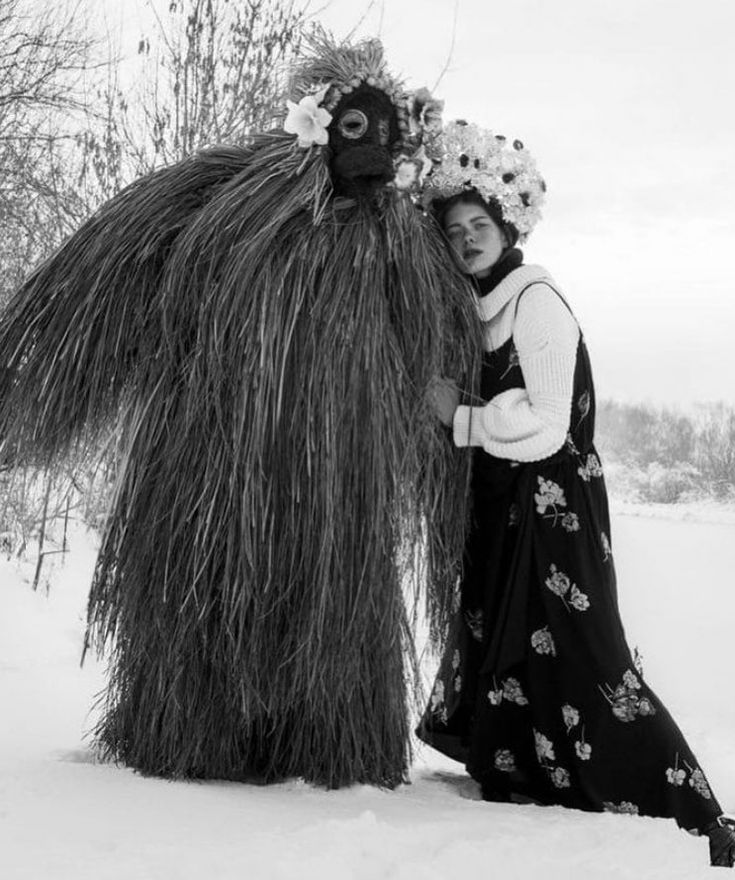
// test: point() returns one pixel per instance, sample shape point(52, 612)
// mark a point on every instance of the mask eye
point(353, 124)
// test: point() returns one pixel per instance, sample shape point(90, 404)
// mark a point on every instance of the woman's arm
point(531, 423)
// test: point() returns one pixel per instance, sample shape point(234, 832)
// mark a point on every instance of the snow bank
point(65, 817)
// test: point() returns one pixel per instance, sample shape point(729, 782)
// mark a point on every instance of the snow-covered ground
point(65, 817)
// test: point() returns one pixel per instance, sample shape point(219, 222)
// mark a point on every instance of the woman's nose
point(469, 236)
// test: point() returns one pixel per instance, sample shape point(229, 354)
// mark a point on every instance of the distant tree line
point(664, 455)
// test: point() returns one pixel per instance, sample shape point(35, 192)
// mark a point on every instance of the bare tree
point(211, 72)
point(716, 448)
point(44, 58)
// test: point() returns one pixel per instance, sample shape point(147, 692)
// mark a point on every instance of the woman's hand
point(444, 398)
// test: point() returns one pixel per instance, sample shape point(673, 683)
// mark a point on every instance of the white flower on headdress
point(308, 120)
point(411, 170)
point(424, 112)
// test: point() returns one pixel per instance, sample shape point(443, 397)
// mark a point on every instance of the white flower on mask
point(424, 112)
point(411, 170)
point(308, 120)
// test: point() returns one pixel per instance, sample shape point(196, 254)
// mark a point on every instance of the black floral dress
point(537, 692)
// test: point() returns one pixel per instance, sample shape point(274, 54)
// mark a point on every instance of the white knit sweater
point(531, 423)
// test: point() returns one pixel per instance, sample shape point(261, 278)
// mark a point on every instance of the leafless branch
point(447, 63)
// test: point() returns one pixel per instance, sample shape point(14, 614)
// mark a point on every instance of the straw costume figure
point(260, 323)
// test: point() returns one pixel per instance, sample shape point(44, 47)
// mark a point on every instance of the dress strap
point(561, 297)
point(551, 287)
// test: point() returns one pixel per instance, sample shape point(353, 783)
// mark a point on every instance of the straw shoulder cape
point(262, 349)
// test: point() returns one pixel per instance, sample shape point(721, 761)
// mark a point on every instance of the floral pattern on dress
point(572, 719)
point(456, 661)
point(504, 760)
point(544, 747)
point(570, 444)
point(677, 776)
point(513, 693)
point(638, 660)
point(560, 584)
point(570, 716)
point(513, 360)
point(542, 642)
point(549, 500)
point(578, 599)
point(699, 784)
point(510, 690)
point(583, 405)
point(474, 621)
point(606, 548)
point(550, 494)
point(436, 703)
point(590, 468)
point(557, 582)
point(624, 807)
point(625, 701)
point(495, 696)
point(560, 777)
point(545, 754)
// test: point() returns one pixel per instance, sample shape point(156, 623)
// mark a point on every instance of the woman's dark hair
point(440, 208)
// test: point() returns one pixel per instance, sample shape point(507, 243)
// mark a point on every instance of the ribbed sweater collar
point(510, 259)
point(492, 302)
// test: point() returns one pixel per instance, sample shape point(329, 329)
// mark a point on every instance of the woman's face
point(475, 237)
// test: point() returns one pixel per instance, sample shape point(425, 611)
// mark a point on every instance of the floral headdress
point(501, 171)
point(335, 70)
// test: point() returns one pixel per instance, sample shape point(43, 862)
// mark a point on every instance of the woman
point(537, 692)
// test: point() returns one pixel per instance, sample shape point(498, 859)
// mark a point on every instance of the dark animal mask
point(362, 136)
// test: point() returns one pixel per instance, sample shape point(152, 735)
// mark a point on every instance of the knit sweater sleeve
point(531, 423)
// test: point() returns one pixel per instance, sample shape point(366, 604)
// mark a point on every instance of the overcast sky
point(627, 107)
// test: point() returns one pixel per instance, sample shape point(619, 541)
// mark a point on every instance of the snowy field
point(63, 816)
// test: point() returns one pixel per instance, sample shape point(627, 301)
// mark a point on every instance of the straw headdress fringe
point(267, 350)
